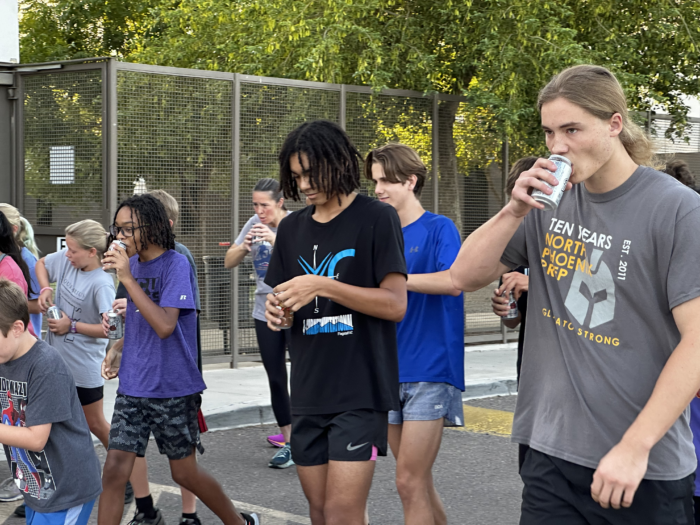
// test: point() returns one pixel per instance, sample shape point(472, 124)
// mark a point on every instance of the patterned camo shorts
point(173, 422)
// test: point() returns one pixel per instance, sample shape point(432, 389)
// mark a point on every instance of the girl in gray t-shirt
point(257, 240)
point(83, 293)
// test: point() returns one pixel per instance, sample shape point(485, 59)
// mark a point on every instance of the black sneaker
point(21, 511)
point(190, 521)
point(251, 519)
point(141, 519)
point(128, 493)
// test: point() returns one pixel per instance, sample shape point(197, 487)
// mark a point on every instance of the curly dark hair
point(334, 162)
point(153, 219)
point(679, 170)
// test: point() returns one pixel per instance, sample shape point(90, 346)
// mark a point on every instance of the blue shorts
point(78, 515)
point(428, 402)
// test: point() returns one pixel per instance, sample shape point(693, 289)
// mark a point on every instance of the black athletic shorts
point(356, 435)
point(88, 396)
point(558, 492)
point(173, 421)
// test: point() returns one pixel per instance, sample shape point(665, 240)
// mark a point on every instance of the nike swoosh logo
point(351, 448)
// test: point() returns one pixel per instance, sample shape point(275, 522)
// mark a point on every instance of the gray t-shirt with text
point(83, 296)
point(605, 272)
point(261, 259)
point(36, 389)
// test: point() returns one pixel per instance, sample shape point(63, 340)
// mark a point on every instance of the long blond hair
point(25, 232)
point(89, 234)
point(597, 90)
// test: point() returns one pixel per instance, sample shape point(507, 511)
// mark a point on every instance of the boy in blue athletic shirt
point(159, 383)
point(44, 432)
point(430, 337)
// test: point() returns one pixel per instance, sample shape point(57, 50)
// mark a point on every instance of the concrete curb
point(262, 415)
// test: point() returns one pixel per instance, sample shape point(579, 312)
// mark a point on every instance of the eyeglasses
point(128, 231)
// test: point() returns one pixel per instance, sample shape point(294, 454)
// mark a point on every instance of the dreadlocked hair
point(153, 219)
point(334, 162)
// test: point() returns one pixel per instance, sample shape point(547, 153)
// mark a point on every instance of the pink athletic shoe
point(276, 441)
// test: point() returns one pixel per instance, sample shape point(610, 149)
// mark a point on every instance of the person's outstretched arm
point(479, 261)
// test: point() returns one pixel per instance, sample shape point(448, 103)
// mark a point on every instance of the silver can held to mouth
point(563, 173)
point(119, 243)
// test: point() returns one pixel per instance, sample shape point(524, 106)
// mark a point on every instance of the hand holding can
point(119, 243)
point(287, 317)
point(563, 173)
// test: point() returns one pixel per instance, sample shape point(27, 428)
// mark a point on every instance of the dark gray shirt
point(606, 270)
point(37, 389)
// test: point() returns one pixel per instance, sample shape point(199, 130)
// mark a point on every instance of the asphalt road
point(475, 473)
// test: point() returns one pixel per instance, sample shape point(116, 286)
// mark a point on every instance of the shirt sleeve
point(176, 288)
point(248, 225)
point(448, 245)
point(515, 253)
point(48, 397)
point(31, 264)
point(275, 271)
point(683, 280)
point(104, 297)
point(387, 256)
point(53, 264)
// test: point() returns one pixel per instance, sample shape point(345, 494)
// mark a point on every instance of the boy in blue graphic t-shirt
point(430, 337)
point(159, 382)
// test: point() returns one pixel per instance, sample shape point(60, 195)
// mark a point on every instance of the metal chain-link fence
point(95, 133)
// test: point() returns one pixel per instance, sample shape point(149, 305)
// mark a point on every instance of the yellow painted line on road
point(486, 421)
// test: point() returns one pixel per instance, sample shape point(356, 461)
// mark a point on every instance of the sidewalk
point(240, 397)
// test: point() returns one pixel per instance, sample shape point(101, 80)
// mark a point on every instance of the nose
point(557, 144)
point(303, 183)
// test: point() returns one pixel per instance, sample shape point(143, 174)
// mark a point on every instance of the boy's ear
point(171, 223)
point(17, 328)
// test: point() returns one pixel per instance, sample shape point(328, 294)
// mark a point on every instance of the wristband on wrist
point(44, 289)
point(73, 328)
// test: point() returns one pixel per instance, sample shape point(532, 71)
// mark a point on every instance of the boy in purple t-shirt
point(159, 382)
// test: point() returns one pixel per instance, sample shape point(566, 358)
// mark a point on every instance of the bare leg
point(189, 501)
point(286, 432)
point(114, 477)
point(313, 483)
point(347, 489)
point(96, 422)
point(188, 474)
point(139, 478)
point(418, 446)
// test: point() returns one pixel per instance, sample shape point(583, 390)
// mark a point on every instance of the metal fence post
point(235, 210)
point(111, 130)
point(506, 169)
point(435, 151)
point(343, 107)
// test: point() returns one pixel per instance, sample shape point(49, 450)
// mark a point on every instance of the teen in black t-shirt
point(339, 265)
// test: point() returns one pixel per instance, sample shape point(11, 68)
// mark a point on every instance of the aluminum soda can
point(119, 243)
point(562, 174)
point(287, 318)
point(116, 325)
point(512, 306)
point(53, 312)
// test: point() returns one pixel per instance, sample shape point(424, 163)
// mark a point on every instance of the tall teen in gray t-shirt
point(605, 272)
point(612, 352)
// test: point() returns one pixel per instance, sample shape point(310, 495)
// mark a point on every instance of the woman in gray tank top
point(257, 240)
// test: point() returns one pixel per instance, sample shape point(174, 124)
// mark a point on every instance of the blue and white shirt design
point(337, 324)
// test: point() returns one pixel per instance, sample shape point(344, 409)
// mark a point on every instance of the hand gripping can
point(512, 306)
point(53, 312)
point(562, 174)
point(287, 318)
point(113, 271)
point(116, 326)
